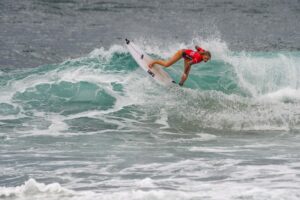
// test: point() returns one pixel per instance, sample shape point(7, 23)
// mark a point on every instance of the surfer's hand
point(151, 64)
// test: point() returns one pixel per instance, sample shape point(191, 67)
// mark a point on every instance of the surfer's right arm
point(185, 73)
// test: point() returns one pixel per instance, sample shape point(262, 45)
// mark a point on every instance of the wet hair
point(207, 53)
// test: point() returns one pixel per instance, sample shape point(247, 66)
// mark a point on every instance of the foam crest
point(32, 188)
point(145, 183)
point(260, 74)
point(108, 53)
point(285, 95)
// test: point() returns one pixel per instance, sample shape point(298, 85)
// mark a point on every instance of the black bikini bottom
point(185, 56)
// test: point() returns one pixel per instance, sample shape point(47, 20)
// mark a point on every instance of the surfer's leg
point(169, 62)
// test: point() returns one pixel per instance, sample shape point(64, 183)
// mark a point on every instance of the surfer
point(190, 57)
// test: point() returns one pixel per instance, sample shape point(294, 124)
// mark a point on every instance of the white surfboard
point(143, 60)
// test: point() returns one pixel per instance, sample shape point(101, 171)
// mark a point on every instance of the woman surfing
point(190, 56)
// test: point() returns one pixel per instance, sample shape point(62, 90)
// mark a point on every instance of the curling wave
point(238, 91)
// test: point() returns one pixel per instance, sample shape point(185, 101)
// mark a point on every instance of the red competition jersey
point(195, 56)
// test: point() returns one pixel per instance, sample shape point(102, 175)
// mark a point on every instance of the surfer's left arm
point(199, 49)
point(186, 72)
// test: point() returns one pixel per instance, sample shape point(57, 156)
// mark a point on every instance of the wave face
point(238, 91)
point(98, 127)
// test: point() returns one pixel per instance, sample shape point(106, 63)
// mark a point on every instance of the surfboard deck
point(143, 60)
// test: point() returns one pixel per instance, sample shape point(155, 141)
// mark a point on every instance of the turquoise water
point(97, 127)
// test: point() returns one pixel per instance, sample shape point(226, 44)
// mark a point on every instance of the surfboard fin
point(151, 73)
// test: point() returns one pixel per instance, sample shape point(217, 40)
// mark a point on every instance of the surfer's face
point(206, 58)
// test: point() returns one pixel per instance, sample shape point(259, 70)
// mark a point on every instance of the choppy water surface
point(95, 127)
point(36, 32)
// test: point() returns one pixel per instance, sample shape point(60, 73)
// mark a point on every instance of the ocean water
point(81, 120)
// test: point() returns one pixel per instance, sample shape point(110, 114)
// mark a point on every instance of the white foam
point(148, 195)
point(260, 75)
point(163, 119)
point(32, 188)
point(201, 137)
point(145, 183)
point(285, 94)
point(213, 150)
point(206, 136)
point(108, 53)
